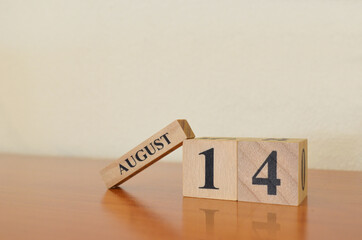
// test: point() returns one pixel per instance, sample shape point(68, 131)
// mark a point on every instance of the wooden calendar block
point(148, 152)
point(210, 168)
point(272, 170)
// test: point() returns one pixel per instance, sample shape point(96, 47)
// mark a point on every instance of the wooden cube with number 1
point(210, 168)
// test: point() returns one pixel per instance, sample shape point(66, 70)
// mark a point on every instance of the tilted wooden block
point(148, 152)
point(246, 169)
point(210, 168)
point(272, 170)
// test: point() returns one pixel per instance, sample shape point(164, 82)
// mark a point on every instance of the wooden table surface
point(65, 198)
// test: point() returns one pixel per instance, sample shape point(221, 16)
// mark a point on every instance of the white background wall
point(95, 78)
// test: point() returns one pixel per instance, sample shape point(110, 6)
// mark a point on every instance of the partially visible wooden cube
point(272, 170)
point(210, 168)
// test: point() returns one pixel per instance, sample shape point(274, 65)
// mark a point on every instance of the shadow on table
point(205, 218)
point(136, 219)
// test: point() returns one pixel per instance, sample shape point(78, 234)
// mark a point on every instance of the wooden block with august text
point(272, 170)
point(210, 168)
point(148, 152)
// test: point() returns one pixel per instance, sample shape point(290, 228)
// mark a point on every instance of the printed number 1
point(209, 169)
point(272, 181)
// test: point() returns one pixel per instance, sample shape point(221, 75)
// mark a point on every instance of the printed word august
point(142, 154)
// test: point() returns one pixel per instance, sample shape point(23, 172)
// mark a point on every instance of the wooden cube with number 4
point(246, 169)
point(272, 170)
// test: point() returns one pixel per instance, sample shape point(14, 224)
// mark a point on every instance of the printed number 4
point(272, 181)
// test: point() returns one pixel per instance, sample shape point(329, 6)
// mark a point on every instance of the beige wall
point(94, 78)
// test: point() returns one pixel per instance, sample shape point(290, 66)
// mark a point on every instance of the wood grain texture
point(147, 153)
point(288, 153)
point(64, 198)
point(224, 168)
